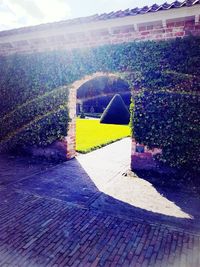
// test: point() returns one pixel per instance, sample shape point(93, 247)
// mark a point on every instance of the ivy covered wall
point(34, 88)
point(170, 121)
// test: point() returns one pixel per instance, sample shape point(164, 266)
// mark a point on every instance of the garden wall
point(37, 109)
point(40, 65)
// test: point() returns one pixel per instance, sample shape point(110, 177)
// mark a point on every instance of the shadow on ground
point(70, 183)
point(13, 168)
point(57, 216)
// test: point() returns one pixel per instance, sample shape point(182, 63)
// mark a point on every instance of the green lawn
point(90, 134)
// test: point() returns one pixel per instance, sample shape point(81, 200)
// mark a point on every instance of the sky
point(20, 13)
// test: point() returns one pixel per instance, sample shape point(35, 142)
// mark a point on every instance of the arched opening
point(91, 95)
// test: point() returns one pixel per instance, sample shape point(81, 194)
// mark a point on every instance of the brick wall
point(61, 37)
point(95, 38)
point(71, 134)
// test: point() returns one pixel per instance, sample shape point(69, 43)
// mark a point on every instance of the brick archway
point(70, 140)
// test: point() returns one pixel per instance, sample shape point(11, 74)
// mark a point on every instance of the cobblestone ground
point(50, 219)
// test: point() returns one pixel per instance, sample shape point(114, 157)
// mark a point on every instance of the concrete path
point(109, 169)
point(92, 211)
point(103, 164)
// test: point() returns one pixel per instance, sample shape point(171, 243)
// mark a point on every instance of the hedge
point(171, 122)
point(51, 125)
point(102, 85)
point(28, 111)
point(116, 112)
point(99, 104)
point(30, 86)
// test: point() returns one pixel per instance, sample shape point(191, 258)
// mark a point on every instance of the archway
point(73, 97)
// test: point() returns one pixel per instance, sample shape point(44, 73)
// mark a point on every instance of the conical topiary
point(116, 112)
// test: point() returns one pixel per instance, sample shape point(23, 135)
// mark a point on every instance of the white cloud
point(54, 9)
point(18, 13)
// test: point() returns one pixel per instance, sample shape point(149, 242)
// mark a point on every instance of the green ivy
point(31, 92)
point(41, 131)
point(171, 122)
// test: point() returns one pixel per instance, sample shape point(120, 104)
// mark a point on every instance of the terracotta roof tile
point(165, 6)
point(155, 7)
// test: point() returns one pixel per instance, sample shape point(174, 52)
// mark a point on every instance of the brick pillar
point(71, 134)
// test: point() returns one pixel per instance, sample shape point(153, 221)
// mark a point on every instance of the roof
point(106, 16)
point(138, 11)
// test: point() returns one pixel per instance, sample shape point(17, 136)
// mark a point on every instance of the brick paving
point(56, 217)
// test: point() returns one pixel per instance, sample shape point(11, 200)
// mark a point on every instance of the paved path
point(91, 211)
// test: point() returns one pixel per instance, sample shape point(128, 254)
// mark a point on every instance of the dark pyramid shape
point(116, 112)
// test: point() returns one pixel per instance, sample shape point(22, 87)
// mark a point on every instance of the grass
point(91, 134)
